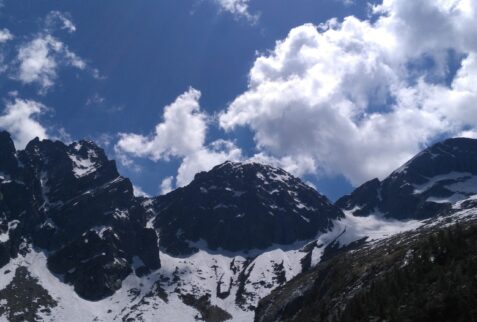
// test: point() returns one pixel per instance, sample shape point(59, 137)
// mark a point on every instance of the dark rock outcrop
point(24, 299)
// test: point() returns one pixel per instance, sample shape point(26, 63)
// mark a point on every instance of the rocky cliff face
point(242, 206)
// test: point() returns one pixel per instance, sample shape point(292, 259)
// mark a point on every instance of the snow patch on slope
point(375, 227)
point(460, 184)
point(83, 166)
point(206, 272)
point(221, 274)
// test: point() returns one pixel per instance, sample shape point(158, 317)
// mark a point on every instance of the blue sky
point(106, 70)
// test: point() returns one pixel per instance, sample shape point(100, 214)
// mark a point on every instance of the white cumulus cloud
point(20, 119)
point(359, 97)
point(181, 134)
point(40, 58)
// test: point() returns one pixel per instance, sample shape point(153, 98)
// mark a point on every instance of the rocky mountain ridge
point(70, 220)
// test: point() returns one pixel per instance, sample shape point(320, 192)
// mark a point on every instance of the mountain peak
point(444, 173)
point(248, 173)
point(240, 206)
point(455, 154)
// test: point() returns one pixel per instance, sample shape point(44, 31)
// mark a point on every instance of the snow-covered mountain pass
point(208, 285)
